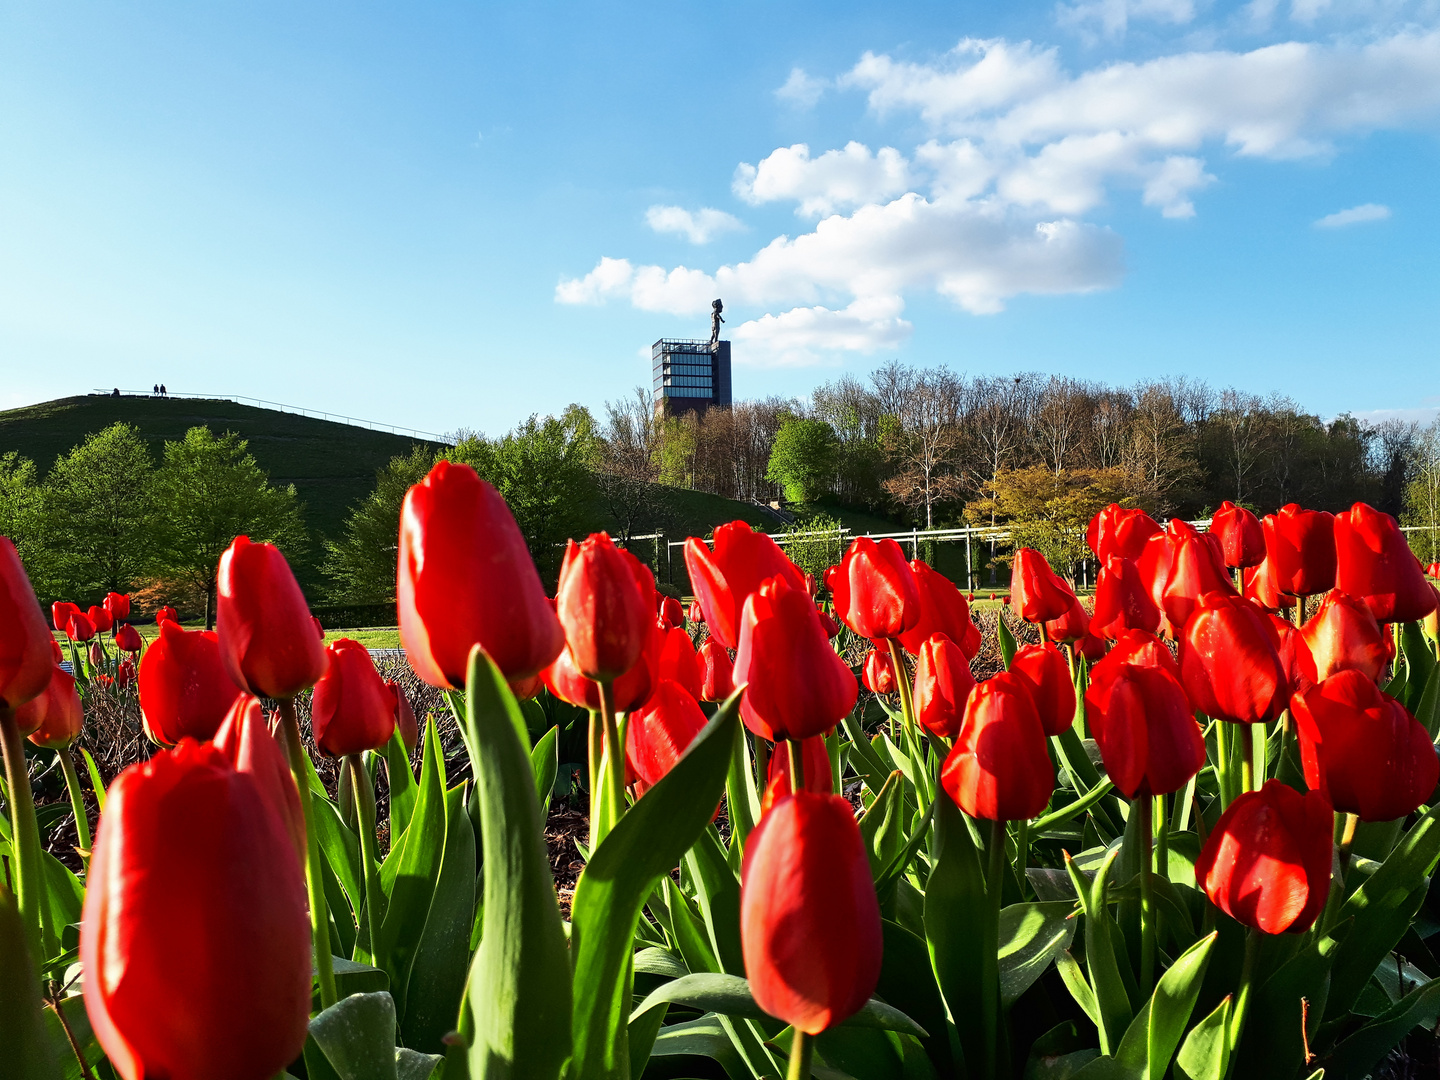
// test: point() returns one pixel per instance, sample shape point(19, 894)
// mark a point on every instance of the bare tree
point(626, 471)
point(925, 437)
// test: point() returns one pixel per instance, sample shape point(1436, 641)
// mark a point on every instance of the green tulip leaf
point(1428, 710)
point(97, 782)
point(412, 1065)
point(702, 1038)
point(545, 760)
point(1153, 1035)
point(717, 896)
point(1101, 945)
point(1074, 979)
point(1274, 1043)
point(1008, 645)
point(623, 872)
point(742, 793)
point(519, 986)
point(1031, 936)
point(873, 770)
point(882, 826)
point(653, 961)
point(22, 1032)
point(1357, 1054)
point(357, 1037)
point(341, 849)
point(1205, 1053)
point(403, 790)
point(1419, 664)
point(907, 982)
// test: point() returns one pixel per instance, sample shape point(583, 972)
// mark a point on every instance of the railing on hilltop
point(315, 414)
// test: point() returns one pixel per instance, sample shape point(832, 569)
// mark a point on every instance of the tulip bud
point(1141, 720)
point(1046, 674)
point(263, 624)
point(1266, 863)
point(1230, 663)
point(671, 613)
point(79, 627)
point(1070, 627)
point(352, 710)
point(717, 671)
point(54, 717)
point(100, 619)
point(661, 730)
point(117, 606)
point(185, 689)
point(605, 614)
point(1119, 533)
point(1242, 537)
point(166, 613)
point(943, 684)
point(630, 690)
point(999, 768)
point(245, 739)
point(1259, 586)
point(60, 612)
point(1122, 601)
point(1342, 635)
point(196, 908)
point(1035, 590)
point(1300, 547)
point(695, 615)
point(679, 662)
point(725, 578)
point(875, 590)
point(1375, 563)
point(943, 610)
point(405, 715)
point(97, 654)
point(25, 641)
point(127, 638)
point(809, 921)
point(878, 673)
point(814, 760)
point(797, 686)
point(1364, 749)
point(465, 577)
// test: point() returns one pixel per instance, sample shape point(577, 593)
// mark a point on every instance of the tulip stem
point(1347, 841)
point(990, 1007)
point(614, 757)
point(319, 912)
point(1144, 806)
point(364, 790)
point(1247, 757)
point(25, 863)
point(77, 804)
point(797, 764)
point(1222, 763)
point(1242, 996)
point(593, 747)
point(802, 1051)
point(907, 701)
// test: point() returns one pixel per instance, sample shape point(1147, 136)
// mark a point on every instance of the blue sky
point(447, 215)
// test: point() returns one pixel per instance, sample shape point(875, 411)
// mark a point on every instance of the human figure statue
point(115, 392)
point(715, 320)
point(163, 391)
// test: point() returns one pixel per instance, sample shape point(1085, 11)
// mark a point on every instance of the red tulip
point(523, 688)
point(1145, 650)
point(79, 628)
point(1046, 674)
point(195, 909)
point(1342, 635)
point(1153, 567)
point(1141, 720)
point(465, 578)
point(1375, 563)
point(245, 739)
point(1195, 570)
point(725, 578)
point(1266, 863)
point(1119, 533)
point(1364, 749)
point(875, 590)
point(100, 619)
point(1300, 546)
point(679, 662)
point(605, 613)
point(809, 921)
point(828, 623)
point(97, 654)
point(943, 685)
point(405, 715)
point(60, 612)
point(1037, 593)
point(1230, 664)
point(117, 606)
point(125, 672)
point(185, 689)
point(352, 710)
point(56, 653)
point(25, 641)
point(943, 610)
point(717, 671)
point(127, 638)
point(671, 613)
point(1433, 570)
point(630, 690)
point(1122, 601)
point(695, 614)
point(166, 613)
point(814, 760)
point(1260, 587)
point(661, 730)
point(1290, 648)
point(1242, 537)
point(878, 673)
point(797, 685)
point(1000, 766)
point(263, 623)
point(1090, 647)
point(54, 718)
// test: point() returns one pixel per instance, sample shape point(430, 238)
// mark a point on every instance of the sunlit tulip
point(943, 610)
point(679, 662)
point(1342, 635)
point(1142, 722)
point(875, 590)
point(1116, 532)
point(671, 613)
point(1290, 648)
point(25, 641)
point(1374, 562)
point(54, 717)
point(1266, 863)
point(117, 605)
point(605, 613)
point(185, 689)
point(1122, 601)
point(195, 909)
point(1364, 749)
point(1242, 537)
point(1230, 663)
point(943, 684)
point(127, 638)
point(97, 654)
point(1195, 570)
point(1153, 567)
point(814, 762)
point(827, 621)
point(661, 730)
point(166, 613)
point(809, 920)
point(999, 768)
point(405, 715)
point(60, 612)
point(1046, 674)
point(1036, 591)
point(723, 579)
point(1259, 586)
point(695, 614)
point(797, 686)
point(79, 627)
point(245, 739)
point(1300, 548)
point(100, 619)
point(878, 673)
point(352, 710)
point(464, 578)
point(263, 623)
point(630, 690)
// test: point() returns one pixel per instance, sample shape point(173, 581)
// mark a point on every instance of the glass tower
point(690, 374)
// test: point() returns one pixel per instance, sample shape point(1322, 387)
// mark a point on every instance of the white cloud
point(1356, 215)
point(837, 179)
point(802, 90)
point(803, 334)
point(699, 227)
point(1111, 18)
